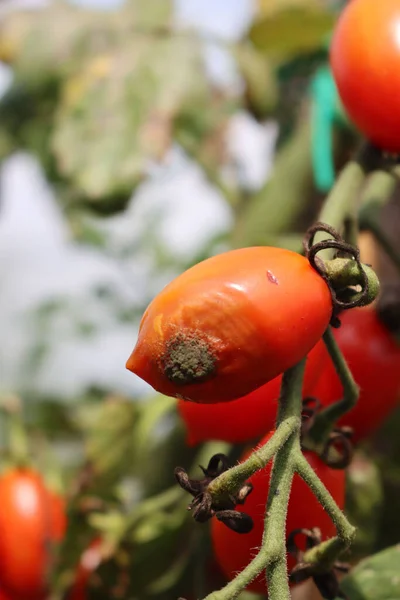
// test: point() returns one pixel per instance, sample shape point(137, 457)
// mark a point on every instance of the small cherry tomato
point(374, 360)
point(32, 518)
point(247, 418)
point(234, 551)
point(365, 60)
point(90, 560)
point(230, 324)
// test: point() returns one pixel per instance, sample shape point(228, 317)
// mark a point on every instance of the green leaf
point(109, 429)
point(261, 86)
point(117, 111)
point(375, 578)
point(292, 30)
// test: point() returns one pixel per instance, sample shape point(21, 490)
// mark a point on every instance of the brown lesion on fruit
point(188, 358)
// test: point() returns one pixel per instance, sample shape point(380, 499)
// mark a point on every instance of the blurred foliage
point(376, 577)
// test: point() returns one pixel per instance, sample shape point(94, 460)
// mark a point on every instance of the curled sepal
point(343, 275)
point(235, 520)
point(326, 582)
point(203, 507)
point(338, 451)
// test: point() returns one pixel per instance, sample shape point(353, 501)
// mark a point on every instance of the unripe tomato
point(374, 360)
point(230, 324)
point(365, 60)
point(234, 552)
point(249, 417)
point(31, 518)
point(90, 560)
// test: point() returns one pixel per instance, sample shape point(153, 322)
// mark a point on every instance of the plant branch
point(272, 554)
point(345, 530)
point(339, 203)
point(229, 482)
point(325, 419)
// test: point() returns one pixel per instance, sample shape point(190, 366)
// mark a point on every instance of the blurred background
point(138, 137)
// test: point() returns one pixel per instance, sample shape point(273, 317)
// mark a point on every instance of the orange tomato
point(230, 324)
point(365, 60)
point(31, 519)
point(246, 418)
point(373, 357)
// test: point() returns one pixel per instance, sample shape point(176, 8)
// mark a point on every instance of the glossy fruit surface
point(90, 560)
point(234, 551)
point(365, 60)
point(230, 324)
point(374, 360)
point(31, 519)
point(247, 418)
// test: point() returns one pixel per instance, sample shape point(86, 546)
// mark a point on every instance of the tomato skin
point(88, 563)
point(374, 360)
point(230, 324)
point(365, 66)
point(234, 552)
point(249, 417)
point(31, 515)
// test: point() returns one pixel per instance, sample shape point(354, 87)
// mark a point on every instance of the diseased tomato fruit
point(230, 324)
point(31, 519)
point(234, 552)
point(90, 560)
point(374, 360)
point(249, 417)
point(365, 60)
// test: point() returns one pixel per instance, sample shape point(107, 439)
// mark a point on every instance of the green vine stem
point(230, 482)
point(338, 206)
point(272, 554)
point(345, 530)
point(326, 418)
point(379, 188)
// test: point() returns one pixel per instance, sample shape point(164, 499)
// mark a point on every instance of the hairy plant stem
point(326, 418)
point(338, 205)
point(272, 554)
point(324, 556)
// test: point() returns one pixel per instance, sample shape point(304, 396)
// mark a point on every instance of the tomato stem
point(286, 444)
point(229, 482)
point(326, 418)
point(345, 530)
point(338, 205)
point(344, 273)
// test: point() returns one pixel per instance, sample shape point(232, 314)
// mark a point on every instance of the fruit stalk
point(272, 554)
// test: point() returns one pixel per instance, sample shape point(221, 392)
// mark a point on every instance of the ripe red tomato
point(230, 324)
point(365, 60)
point(31, 518)
point(90, 560)
point(247, 418)
point(374, 360)
point(234, 552)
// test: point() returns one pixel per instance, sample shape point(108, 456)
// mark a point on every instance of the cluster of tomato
point(233, 324)
point(33, 523)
